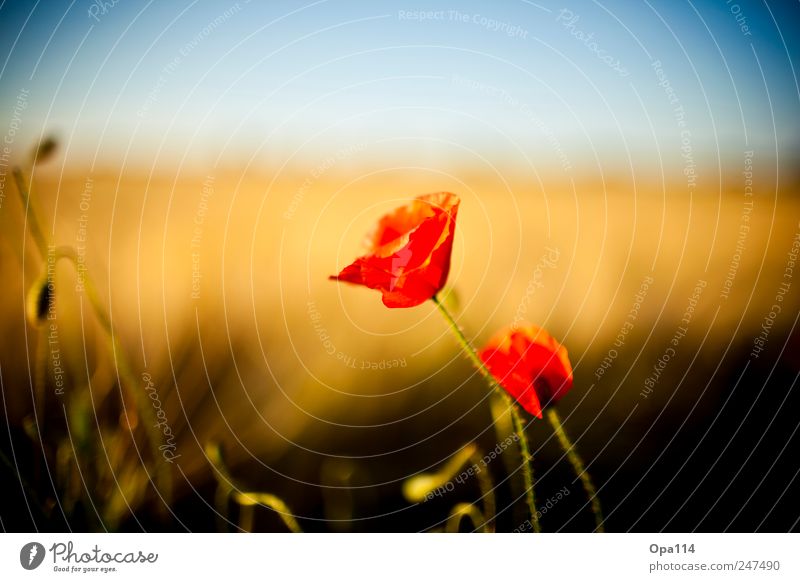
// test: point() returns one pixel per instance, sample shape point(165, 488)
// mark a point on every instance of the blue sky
point(205, 79)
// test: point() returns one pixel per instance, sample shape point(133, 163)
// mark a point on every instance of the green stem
point(247, 500)
point(33, 223)
point(487, 493)
point(133, 397)
point(129, 384)
point(519, 427)
point(527, 468)
point(577, 465)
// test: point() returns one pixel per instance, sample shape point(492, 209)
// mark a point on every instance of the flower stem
point(31, 217)
point(128, 382)
point(136, 403)
point(527, 467)
point(577, 465)
point(519, 427)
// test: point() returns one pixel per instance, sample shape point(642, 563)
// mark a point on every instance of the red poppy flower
point(532, 366)
point(409, 251)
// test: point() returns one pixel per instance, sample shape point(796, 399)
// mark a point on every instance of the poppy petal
point(410, 250)
point(532, 366)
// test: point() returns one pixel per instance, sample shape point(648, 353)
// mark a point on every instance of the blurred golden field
point(216, 284)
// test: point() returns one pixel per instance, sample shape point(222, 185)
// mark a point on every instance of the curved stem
point(461, 511)
point(128, 382)
point(249, 499)
point(136, 402)
point(577, 464)
point(519, 427)
point(228, 488)
point(418, 488)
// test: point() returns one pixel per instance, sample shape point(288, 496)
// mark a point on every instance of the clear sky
point(560, 82)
